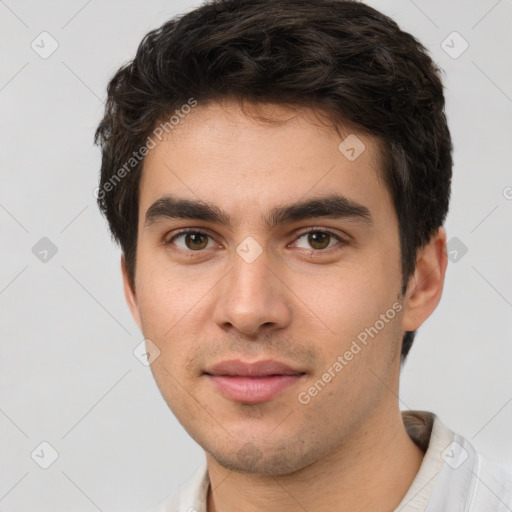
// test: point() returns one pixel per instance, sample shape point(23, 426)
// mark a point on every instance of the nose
point(252, 299)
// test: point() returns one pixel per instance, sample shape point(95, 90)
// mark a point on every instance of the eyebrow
point(333, 206)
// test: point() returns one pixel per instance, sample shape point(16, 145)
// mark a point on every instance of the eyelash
point(299, 235)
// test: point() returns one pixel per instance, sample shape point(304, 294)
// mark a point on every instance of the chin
point(283, 458)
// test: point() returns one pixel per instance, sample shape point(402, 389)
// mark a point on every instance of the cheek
point(358, 307)
point(349, 298)
point(167, 294)
point(165, 304)
point(358, 360)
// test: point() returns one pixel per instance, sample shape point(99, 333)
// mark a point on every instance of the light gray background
point(67, 372)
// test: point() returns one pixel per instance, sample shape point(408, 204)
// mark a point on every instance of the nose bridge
point(250, 275)
point(252, 296)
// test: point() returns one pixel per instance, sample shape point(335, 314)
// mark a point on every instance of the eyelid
point(315, 229)
point(318, 229)
point(168, 240)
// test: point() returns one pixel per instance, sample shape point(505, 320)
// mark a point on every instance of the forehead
point(247, 160)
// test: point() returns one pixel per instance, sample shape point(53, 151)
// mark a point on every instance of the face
point(273, 293)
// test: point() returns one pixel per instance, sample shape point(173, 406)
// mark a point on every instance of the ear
point(426, 284)
point(129, 293)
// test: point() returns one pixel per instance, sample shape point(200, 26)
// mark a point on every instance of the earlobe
point(426, 285)
point(130, 294)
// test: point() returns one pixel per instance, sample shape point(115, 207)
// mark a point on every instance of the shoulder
point(455, 476)
point(471, 481)
point(492, 485)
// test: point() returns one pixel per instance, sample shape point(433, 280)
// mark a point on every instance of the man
point(277, 174)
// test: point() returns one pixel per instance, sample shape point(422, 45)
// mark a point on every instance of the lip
point(252, 383)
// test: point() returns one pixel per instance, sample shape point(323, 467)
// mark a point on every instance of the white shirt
point(452, 477)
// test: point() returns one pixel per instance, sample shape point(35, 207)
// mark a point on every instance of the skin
point(295, 303)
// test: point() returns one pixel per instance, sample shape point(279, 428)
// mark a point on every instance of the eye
point(190, 240)
point(317, 239)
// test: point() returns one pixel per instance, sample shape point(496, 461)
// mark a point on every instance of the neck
point(371, 471)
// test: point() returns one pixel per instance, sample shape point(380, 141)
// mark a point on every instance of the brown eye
point(196, 241)
point(190, 240)
point(317, 240)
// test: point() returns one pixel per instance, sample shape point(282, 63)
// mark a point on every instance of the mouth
point(252, 383)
